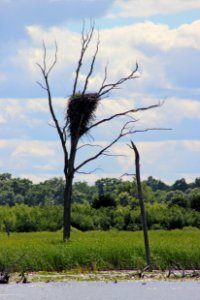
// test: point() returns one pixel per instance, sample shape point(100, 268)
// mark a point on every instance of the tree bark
point(67, 207)
point(69, 176)
point(142, 207)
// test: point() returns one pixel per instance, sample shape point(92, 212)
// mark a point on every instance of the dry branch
point(46, 86)
point(123, 132)
point(106, 88)
point(125, 113)
point(86, 39)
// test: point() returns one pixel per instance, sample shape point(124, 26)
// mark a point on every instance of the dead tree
point(80, 117)
point(142, 206)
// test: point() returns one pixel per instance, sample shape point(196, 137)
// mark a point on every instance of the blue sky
point(162, 36)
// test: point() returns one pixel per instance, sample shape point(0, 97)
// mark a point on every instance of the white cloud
point(37, 105)
point(157, 48)
point(146, 8)
point(11, 109)
point(3, 78)
point(30, 156)
point(68, 47)
point(34, 148)
point(37, 178)
point(168, 160)
point(172, 111)
point(192, 146)
point(2, 119)
point(45, 167)
point(3, 143)
point(162, 54)
point(28, 114)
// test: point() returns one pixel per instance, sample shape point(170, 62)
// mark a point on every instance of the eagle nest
point(81, 112)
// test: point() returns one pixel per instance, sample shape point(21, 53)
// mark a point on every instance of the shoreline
point(107, 276)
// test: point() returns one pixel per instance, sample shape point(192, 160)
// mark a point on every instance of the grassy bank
point(98, 250)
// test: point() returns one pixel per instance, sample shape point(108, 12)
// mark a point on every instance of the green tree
point(20, 186)
point(7, 197)
point(83, 192)
point(7, 219)
point(124, 199)
point(180, 184)
point(155, 184)
point(5, 176)
point(55, 187)
point(104, 200)
point(83, 216)
point(156, 214)
point(24, 219)
point(194, 199)
point(177, 197)
point(197, 182)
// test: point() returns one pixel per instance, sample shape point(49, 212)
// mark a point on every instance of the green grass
point(98, 250)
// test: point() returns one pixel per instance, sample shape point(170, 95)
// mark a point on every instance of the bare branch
point(127, 174)
point(132, 118)
point(106, 153)
point(41, 68)
point(55, 59)
point(48, 90)
point(145, 130)
point(125, 113)
point(106, 88)
point(114, 155)
point(91, 66)
point(105, 75)
point(44, 56)
point(64, 133)
point(51, 125)
point(86, 39)
point(124, 132)
point(41, 85)
point(44, 67)
point(99, 153)
point(88, 145)
point(87, 173)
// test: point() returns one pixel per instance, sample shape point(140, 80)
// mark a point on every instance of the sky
point(161, 36)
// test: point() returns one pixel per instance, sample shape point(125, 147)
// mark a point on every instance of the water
point(125, 290)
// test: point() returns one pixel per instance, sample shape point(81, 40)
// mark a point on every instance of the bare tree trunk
point(142, 206)
point(67, 208)
point(69, 176)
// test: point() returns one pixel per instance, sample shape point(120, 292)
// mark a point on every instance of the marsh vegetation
point(98, 250)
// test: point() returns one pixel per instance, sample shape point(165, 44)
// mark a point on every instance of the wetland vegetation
point(106, 233)
point(98, 250)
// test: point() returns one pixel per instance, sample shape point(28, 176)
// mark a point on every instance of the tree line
point(109, 203)
point(104, 192)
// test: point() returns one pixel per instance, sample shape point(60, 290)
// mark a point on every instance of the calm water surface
point(125, 290)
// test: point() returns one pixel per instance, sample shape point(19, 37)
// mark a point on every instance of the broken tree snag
point(142, 206)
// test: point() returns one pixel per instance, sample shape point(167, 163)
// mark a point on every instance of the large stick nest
point(81, 113)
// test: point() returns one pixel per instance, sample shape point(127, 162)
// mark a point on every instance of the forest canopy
point(109, 203)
